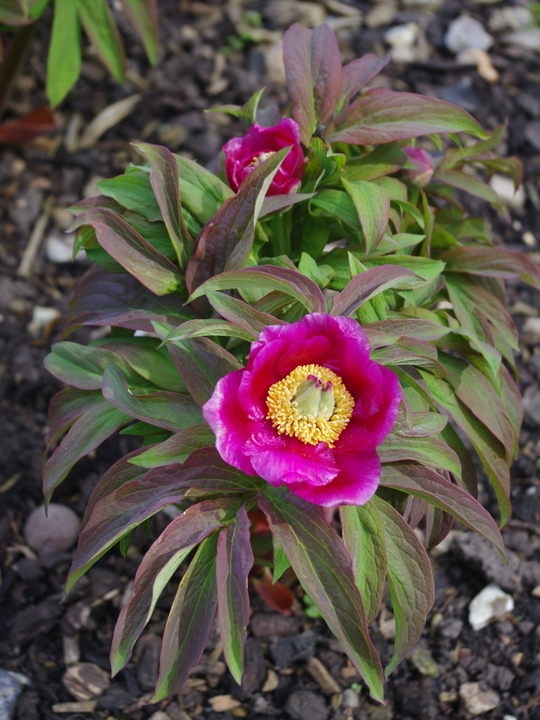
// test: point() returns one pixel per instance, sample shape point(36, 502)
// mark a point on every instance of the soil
point(207, 60)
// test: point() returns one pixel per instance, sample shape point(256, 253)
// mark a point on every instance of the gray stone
point(464, 33)
point(532, 133)
point(11, 685)
point(480, 554)
point(306, 705)
point(510, 18)
point(476, 700)
point(528, 39)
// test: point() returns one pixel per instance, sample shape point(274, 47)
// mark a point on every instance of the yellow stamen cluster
point(261, 158)
point(287, 419)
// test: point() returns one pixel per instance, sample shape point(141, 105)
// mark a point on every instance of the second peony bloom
point(308, 411)
point(244, 154)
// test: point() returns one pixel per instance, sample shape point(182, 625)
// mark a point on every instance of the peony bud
point(423, 163)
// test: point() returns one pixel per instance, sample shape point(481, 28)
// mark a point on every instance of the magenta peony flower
point(308, 411)
point(243, 154)
point(423, 166)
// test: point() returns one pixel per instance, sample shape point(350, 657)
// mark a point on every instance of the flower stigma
point(311, 403)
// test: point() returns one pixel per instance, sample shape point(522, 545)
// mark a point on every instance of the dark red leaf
point(37, 122)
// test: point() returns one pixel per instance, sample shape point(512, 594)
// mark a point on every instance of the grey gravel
point(465, 33)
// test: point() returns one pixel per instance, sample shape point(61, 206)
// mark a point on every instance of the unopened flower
point(423, 163)
point(244, 154)
point(308, 411)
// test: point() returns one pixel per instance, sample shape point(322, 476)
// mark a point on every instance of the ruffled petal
point(229, 422)
point(355, 484)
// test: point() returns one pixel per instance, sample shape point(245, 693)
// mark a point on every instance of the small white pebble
point(529, 239)
point(504, 187)
point(490, 604)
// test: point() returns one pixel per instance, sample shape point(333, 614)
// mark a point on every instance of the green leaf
point(410, 581)
point(470, 184)
point(489, 449)
point(151, 363)
point(134, 192)
point(166, 186)
point(144, 16)
point(132, 251)
point(363, 534)
point(397, 327)
point(426, 268)
point(190, 621)
point(177, 448)
point(383, 160)
point(381, 115)
point(281, 561)
point(372, 204)
point(234, 561)
point(247, 112)
point(156, 569)
point(430, 451)
point(239, 312)
point(64, 58)
point(426, 484)
point(324, 568)
point(267, 278)
point(313, 71)
point(100, 27)
point(172, 411)
point(83, 366)
point(492, 262)
point(203, 193)
point(209, 327)
point(320, 274)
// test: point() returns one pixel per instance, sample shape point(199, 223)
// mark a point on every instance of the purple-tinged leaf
point(412, 327)
point(156, 569)
point(492, 262)
point(172, 411)
point(233, 564)
point(88, 431)
point(97, 201)
point(203, 193)
point(166, 186)
point(366, 285)
point(324, 569)
point(151, 363)
point(426, 484)
point(438, 525)
point(313, 71)
point(383, 160)
point(144, 17)
point(410, 581)
point(489, 449)
point(190, 622)
point(226, 240)
point(209, 327)
point(268, 278)
point(201, 363)
point(177, 448)
point(132, 251)
point(114, 514)
point(239, 312)
point(103, 298)
point(65, 407)
point(381, 115)
point(363, 534)
point(469, 184)
point(275, 203)
point(372, 203)
point(512, 166)
point(511, 398)
point(393, 356)
point(358, 73)
point(468, 480)
point(429, 451)
point(455, 157)
point(476, 392)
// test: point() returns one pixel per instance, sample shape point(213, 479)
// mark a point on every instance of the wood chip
point(322, 677)
point(72, 652)
point(271, 681)
point(34, 241)
point(87, 706)
point(85, 681)
point(223, 703)
point(106, 119)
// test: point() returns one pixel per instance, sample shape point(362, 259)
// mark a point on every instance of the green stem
point(280, 242)
point(13, 62)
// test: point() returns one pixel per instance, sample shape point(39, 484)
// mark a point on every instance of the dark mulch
point(39, 637)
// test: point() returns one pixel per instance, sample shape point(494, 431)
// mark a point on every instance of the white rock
point(532, 326)
point(41, 317)
point(54, 532)
point(402, 35)
point(504, 187)
point(350, 698)
point(465, 32)
point(59, 248)
point(510, 18)
point(381, 14)
point(490, 604)
point(524, 39)
point(478, 701)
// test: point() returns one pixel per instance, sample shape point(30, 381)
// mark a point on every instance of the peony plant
point(323, 326)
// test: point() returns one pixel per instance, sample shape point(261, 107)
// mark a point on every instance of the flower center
point(258, 159)
point(311, 403)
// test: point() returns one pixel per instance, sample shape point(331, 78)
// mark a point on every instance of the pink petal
point(355, 484)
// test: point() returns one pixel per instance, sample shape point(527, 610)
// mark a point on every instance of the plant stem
point(13, 62)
